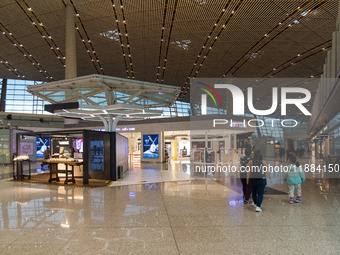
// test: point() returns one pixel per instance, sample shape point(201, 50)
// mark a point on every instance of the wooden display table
point(53, 166)
point(20, 169)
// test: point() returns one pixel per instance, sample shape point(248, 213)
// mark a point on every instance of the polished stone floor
point(204, 214)
point(142, 176)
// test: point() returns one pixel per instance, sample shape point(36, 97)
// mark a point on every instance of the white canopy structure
point(104, 98)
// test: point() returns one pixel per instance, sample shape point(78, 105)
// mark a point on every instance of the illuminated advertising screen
point(184, 148)
point(78, 145)
point(42, 145)
point(97, 155)
point(150, 146)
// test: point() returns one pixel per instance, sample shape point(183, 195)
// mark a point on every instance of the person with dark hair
point(243, 175)
point(257, 179)
point(281, 152)
point(47, 153)
point(294, 177)
point(289, 153)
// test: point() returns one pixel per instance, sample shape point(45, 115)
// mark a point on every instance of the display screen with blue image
point(97, 155)
point(42, 145)
point(150, 146)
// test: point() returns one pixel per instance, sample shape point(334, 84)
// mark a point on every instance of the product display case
point(18, 167)
point(55, 168)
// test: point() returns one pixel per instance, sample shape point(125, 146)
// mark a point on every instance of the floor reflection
point(182, 207)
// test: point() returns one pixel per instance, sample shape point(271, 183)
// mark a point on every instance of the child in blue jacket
point(294, 177)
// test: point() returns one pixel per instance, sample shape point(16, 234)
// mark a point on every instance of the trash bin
point(120, 172)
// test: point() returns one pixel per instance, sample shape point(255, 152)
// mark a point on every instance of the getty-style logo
point(239, 98)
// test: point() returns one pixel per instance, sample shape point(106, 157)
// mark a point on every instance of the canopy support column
point(115, 122)
point(106, 126)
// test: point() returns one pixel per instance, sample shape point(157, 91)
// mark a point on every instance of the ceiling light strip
point(298, 58)
point(217, 36)
point(90, 51)
point(86, 41)
point(292, 62)
point(316, 75)
point(10, 68)
point(38, 25)
point(47, 37)
point(162, 39)
point(207, 39)
point(168, 44)
point(120, 38)
point(127, 39)
point(15, 42)
point(186, 86)
point(266, 35)
point(299, 9)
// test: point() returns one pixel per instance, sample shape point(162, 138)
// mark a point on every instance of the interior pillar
point(3, 95)
point(71, 58)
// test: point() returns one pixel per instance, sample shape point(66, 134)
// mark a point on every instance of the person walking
point(246, 188)
point(294, 177)
point(257, 179)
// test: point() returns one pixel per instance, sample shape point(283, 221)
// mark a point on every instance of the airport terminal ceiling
point(168, 41)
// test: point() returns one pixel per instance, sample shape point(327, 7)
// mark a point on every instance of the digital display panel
point(42, 145)
point(78, 145)
point(150, 146)
point(97, 155)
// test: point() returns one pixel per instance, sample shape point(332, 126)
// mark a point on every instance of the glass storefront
point(334, 137)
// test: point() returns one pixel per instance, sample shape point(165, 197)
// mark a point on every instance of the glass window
point(19, 100)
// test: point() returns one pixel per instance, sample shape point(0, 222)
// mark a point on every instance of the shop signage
point(118, 129)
